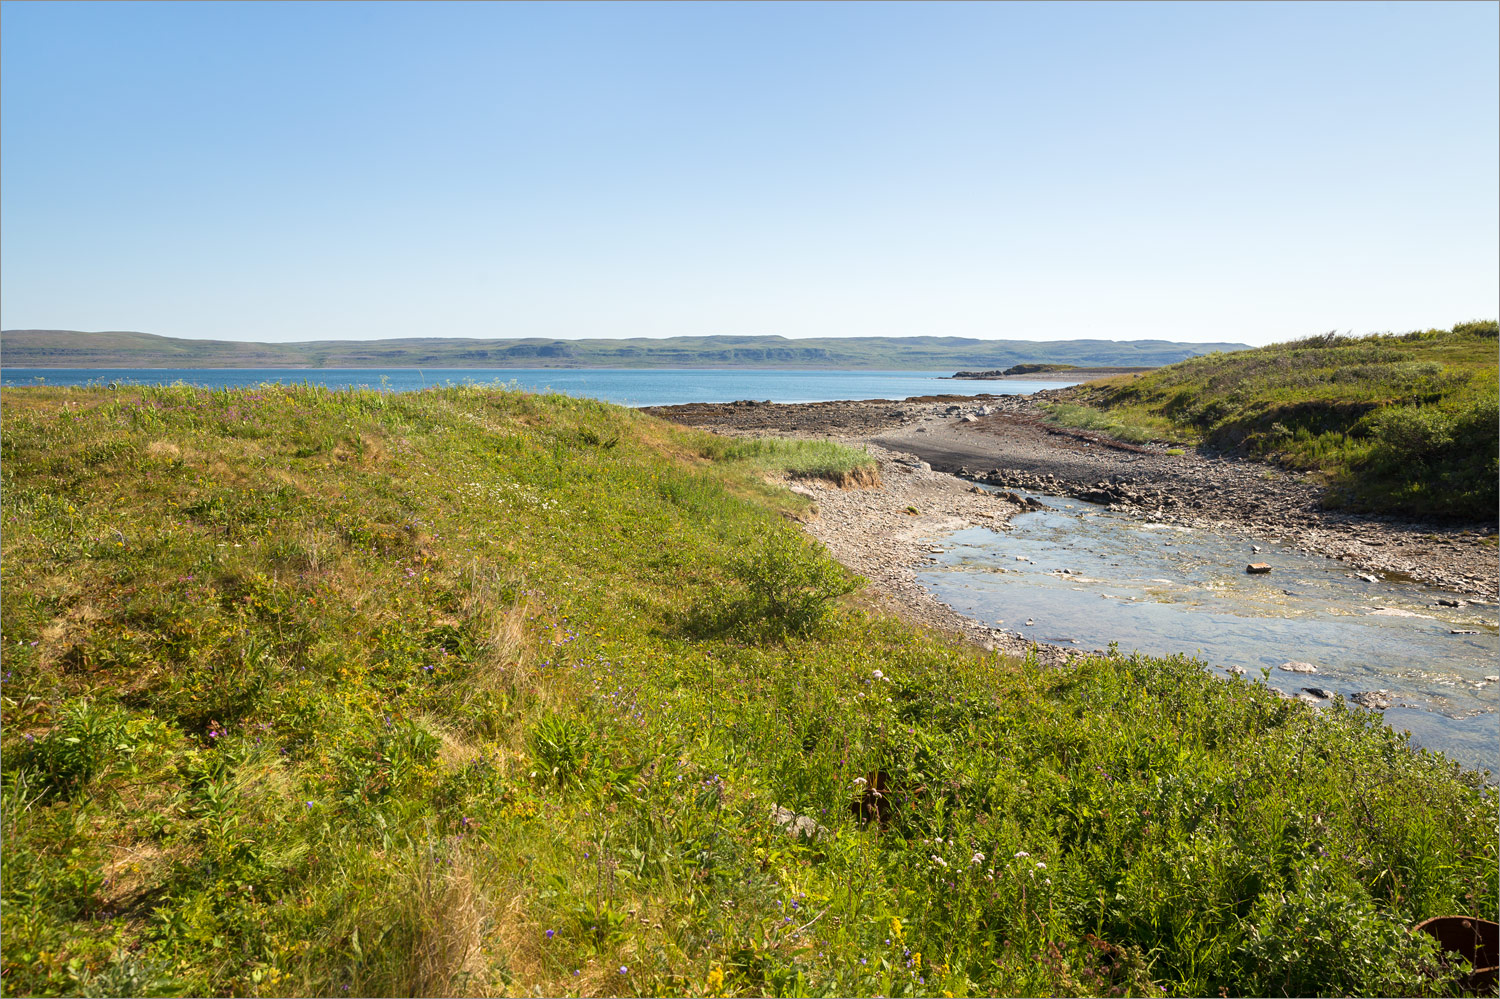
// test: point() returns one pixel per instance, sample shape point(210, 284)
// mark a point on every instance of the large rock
point(1375, 700)
point(796, 825)
point(1298, 667)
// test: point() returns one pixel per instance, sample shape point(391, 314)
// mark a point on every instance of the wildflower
point(1021, 853)
point(859, 781)
point(624, 970)
point(939, 860)
point(550, 933)
point(978, 859)
point(878, 675)
point(1041, 866)
point(715, 980)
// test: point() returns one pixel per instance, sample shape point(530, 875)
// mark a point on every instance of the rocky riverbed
point(1002, 441)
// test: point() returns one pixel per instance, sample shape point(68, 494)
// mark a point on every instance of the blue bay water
point(626, 386)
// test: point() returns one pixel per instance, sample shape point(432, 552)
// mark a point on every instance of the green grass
point(474, 692)
point(1397, 423)
point(812, 459)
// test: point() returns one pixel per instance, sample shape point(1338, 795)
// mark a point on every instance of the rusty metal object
point(1475, 940)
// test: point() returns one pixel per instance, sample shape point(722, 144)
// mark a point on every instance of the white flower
point(878, 675)
point(1021, 853)
point(978, 859)
point(1046, 881)
point(859, 780)
point(1041, 866)
point(939, 860)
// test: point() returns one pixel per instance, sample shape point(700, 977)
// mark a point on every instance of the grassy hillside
point(73, 349)
point(470, 692)
point(1398, 423)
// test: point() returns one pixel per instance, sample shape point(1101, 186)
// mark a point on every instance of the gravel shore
point(932, 448)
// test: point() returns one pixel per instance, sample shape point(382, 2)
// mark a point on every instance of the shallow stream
point(1078, 575)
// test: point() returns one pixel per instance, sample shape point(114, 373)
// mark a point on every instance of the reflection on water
point(1087, 577)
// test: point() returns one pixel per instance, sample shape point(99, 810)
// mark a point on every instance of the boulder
point(1374, 700)
point(1298, 667)
point(1257, 568)
point(796, 825)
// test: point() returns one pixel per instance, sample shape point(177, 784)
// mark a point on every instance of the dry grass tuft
point(499, 627)
point(445, 912)
point(164, 450)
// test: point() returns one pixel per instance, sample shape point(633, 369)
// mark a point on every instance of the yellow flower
point(896, 931)
point(916, 960)
point(715, 980)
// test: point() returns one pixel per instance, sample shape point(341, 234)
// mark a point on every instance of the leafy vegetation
point(1398, 423)
point(322, 693)
point(811, 459)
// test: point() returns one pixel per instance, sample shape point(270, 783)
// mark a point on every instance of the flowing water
point(1080, 576)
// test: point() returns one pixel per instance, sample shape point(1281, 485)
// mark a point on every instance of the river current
point(1078, 575)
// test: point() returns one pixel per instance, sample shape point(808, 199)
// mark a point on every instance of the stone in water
point(1255, 568)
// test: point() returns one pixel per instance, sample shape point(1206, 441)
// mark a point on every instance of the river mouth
point(1079, 576)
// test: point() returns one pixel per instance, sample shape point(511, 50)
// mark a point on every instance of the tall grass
point(1397, 423)
point(324, 693)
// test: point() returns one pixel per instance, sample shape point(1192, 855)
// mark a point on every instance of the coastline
point(932, 449)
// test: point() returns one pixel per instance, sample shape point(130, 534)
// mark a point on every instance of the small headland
point(1040, 372)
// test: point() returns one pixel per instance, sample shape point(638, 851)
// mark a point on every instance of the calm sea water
point(626, 386)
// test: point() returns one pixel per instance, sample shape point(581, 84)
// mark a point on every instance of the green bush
point(790, 586)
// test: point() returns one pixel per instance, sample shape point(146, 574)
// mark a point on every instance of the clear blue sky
point(300, 171)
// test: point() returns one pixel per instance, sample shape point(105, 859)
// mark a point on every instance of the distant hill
point(74, 349)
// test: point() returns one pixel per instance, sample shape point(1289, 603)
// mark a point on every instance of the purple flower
point(624, 970)
point(549, 934)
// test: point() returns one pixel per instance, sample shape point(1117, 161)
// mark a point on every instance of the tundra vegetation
point(311, 692)
point(1403, 424)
